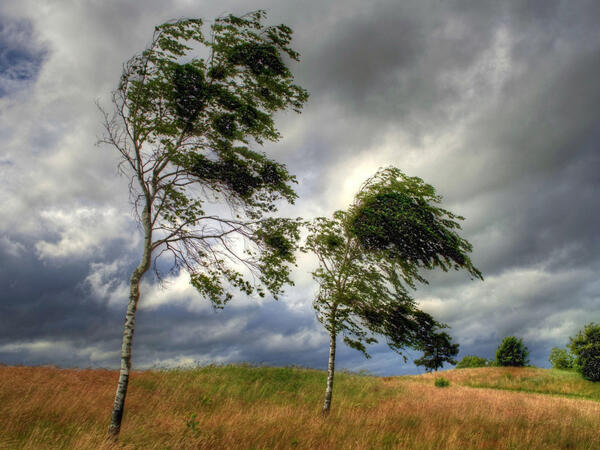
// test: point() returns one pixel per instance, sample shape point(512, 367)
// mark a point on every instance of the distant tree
point(512, 352)
point(437, 348)
point(586, 348)
point(471, 361)
point(560, 358)
point(184, 126)
point(371, 254)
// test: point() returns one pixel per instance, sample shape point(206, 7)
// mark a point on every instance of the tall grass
point(566, 383)
point(261, 407)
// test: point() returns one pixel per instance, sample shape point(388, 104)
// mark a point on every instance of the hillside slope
point(564, 383)
point(262, 407)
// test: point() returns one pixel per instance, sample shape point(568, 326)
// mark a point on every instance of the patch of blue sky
point(21, 55)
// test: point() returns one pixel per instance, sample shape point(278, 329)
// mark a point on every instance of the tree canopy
point(398, 217)
point(560, 358)
point(187, 115)
point(472, 361)
point(585, 346)
point(184, 127)
point(437, 348)
point(512, 352)
point(371, 255)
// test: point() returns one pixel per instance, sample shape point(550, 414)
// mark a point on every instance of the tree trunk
point(134, 296)
point(330, 372)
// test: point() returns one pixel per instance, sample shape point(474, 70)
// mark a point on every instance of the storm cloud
point(496, 104)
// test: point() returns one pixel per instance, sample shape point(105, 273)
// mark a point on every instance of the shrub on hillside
point(586, 348)
point(471, 361)
point(512, 352)
point(560, 359)
point(441, 382)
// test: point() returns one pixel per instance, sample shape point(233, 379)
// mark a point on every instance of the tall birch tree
point(185, 117)
point(372, 255)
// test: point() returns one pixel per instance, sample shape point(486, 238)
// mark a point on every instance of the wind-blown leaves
point(398, 215)
point(186, 127)
point(372, 255)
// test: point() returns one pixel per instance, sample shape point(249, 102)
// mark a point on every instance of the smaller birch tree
point(371, 255)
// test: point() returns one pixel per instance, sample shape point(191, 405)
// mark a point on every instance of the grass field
point(564, 383)
point(267, 408)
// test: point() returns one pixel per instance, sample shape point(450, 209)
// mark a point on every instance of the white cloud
point(301, 340)
point(175, 291)
point(191, 361)
point(11, 247)
point(82, 232)
point(526, 301)
point(487, 106)
point(107, 283)
point(61, 349)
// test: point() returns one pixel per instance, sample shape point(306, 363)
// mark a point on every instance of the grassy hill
point(264, 407)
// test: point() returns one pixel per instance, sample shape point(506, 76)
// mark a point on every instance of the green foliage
point(185, 126)
point(560, 359)
point(398, 215)
point(437, 349)
point(441, 382)
point(512, 352)
point(471, 361)
point(191, 424)
point(363, 285)
point(585, 346)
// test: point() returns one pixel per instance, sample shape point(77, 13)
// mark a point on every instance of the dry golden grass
point(244, 407)
point(526, 379)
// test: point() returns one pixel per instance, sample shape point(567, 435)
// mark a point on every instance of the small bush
point(512, 352)
point(441, 382)
point(586, 348)
point(471, 361)
point(560, 359)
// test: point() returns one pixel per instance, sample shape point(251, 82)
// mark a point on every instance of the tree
point(586, 348)
point(512, 352)
point(370, 255)
point(437, 348)
point(184, 126)
point(471, 361)
point(560, 359)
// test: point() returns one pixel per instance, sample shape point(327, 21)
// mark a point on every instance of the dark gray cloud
point(494, 103)
point(20, 55)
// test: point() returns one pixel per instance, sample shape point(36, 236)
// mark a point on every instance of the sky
point(496, 104)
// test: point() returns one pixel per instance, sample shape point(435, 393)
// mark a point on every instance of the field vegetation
point(564, 383)
point(272, 408)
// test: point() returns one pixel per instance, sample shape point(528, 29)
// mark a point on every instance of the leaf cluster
point(187, 113)
point(512, 352)
point(472, 361)
point(560, 358)
point(370, 255)
point(586, 348)
point(437, 348)
point(399, 216)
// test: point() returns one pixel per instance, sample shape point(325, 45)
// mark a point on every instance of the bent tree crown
point(183, 125)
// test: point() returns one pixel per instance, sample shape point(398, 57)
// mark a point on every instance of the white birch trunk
point(330, 372)
point(134, 296)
